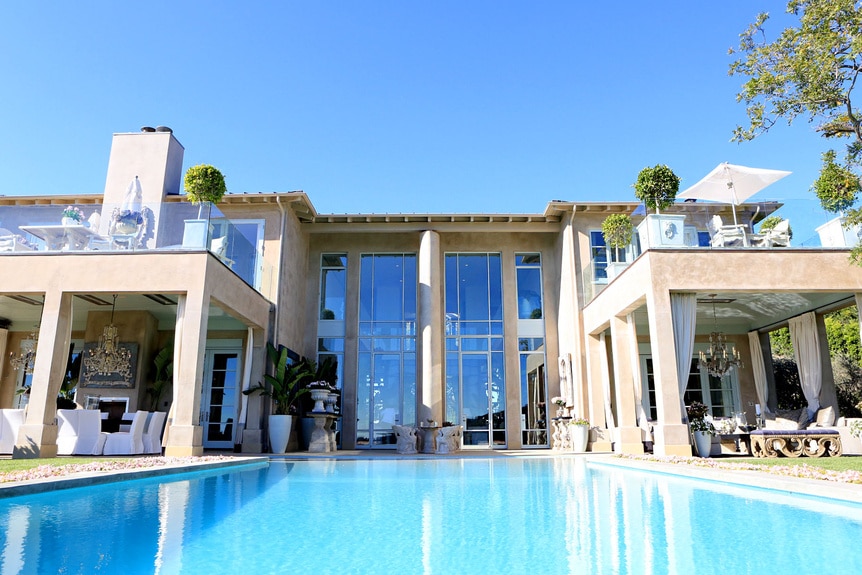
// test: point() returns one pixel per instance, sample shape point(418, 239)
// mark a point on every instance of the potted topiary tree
point(617, 229)
point(657, 188)
point(204, 185)
point(285, 386)
point(837, 189)
point(701, 429)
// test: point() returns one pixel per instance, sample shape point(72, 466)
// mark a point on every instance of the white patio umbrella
point(732, 184)
point(133, 200)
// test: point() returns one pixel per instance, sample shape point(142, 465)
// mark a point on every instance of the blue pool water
point(452, 516)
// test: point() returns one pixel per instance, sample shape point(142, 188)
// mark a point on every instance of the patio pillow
point(825, 417)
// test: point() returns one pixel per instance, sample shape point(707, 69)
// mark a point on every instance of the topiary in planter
point(837, 187)
point(617, 229)
point(657, 187)
point(204, 184)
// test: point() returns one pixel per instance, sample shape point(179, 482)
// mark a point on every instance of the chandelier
point(718, 360)
point(25, 360)
point(109, 357)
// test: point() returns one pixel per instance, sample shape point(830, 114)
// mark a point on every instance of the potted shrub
point(837, 189)
point(617, 229)
point(701, 429)
point(325, 378)
point(579, 434)
point(204, 184)
point(285, 386)
point(657, 188)
point(72, 216)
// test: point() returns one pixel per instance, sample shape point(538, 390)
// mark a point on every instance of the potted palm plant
point(837, 189)
point(657, 188)
point(204, 185)
point(617, 229)
point(285, 386)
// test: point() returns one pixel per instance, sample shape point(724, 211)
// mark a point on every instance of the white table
point(62, 238)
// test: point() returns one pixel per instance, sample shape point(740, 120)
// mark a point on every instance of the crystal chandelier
point(25, 360)
point(718, 360)
point(109, 358)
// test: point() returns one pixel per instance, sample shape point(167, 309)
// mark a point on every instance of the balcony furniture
point(726, 236)
point(429, 437)
point(153, 433)
point(10, 421)
point(406, 439)
point(218, 247)
point(10, 242)
point(779, 236)
point(79, 432)
point(62, 238)
point(449, 439)
point(127, 442)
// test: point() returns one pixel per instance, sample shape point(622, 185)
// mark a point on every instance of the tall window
point(719, 394)
point(531, 350)
point(475, 362)
point(386, 386)
point(333, 284)
point(600, 255)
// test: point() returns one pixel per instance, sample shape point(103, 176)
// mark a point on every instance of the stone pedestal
point(323, 436)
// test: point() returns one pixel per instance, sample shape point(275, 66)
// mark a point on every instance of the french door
point(220, 395)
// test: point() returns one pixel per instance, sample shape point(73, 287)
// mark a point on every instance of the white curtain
point(683, 309)
point(759, 369)
point(806, 352)
point(643, 420)
point(178, 349)
point(606, 385)
point(246, 377)
point(565, 384)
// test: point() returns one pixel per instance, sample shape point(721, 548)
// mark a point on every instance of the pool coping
point(799, 486)
point(90, 478)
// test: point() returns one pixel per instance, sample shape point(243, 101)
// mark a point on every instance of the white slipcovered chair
point(127, 442)
point(10, 421)
point(779, 236)
point(79, 432)
point(405, 439)
point(449, 439)
point(725, 236)
point(153, 434)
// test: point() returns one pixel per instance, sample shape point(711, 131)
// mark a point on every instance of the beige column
point(595, 411)
point(630, 440)
point(671, 434)
point(185, 436)
point(38, 436)
point(430, 389)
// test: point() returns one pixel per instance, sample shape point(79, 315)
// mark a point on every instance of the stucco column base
point(252, 441)
point(184, 440)
point(35, 441)
point(630, 440)
point(600, 446)
point(672, 440)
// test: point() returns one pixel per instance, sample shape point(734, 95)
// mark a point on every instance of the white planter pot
point(834, 235)
point(615, 268)
point(579, 435)
point(196, 233)
point(70, 222)
point(279, 432)
point(662, 231)
point(703, 443)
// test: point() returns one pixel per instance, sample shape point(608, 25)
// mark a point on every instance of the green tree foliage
point(809, 71)
point(657, 187)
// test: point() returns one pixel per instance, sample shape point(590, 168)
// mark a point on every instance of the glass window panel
point(409, 344)
point(365, 327)
point(410, 281)
point(364, 344)
point(529, 293)
point(474, 344)
point(333, 286)
point(409, 391)
point(530, 343)
point(330, 344)
point(387, 390)
point(474, 328)
point(451, 344)
point(496, 328)
point(366, 280)
point(387, 344)
point(452, 286)
point(334, 260)
point(474, 384)
point(388, 328)
point(473, 286)
point(495, 281)
point(363, 392)
point(388, 298)
point(496, 344)
point(498, 390)
point(452, 387)
point(533, 399)
point(522, 260)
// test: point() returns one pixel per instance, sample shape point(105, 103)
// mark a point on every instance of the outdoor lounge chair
point(449, 439)
point(779, 236)
point(127, 442)
point(725, 236)
point(405, 439)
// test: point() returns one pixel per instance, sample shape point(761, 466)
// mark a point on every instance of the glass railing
point(123, 229)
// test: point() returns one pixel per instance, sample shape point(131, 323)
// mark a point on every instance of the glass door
point(483, 411)
point(219, 399)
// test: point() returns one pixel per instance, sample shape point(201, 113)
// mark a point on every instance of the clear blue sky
point(393, 106)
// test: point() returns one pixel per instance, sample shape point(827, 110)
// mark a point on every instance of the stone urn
point(318, 395)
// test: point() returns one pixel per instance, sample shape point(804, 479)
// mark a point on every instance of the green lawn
point(7, 465)
point(844, 463)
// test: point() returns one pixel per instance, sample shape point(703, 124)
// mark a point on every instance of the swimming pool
point(447, 516)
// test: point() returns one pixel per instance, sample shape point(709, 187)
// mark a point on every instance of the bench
point(795, 443)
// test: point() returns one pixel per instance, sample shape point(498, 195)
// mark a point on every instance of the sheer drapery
point(806, 352)
point(246, 377)
point(683, 309)
point(759, 369)
point(606, 385)
point(643, 420)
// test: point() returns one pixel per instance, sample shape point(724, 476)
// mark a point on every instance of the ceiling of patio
point(24, 310)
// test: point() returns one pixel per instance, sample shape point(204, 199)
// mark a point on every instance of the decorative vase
point(279, 432)
point(579, 435)
point(70, 222)
point(319, 396)
point(125, 227)
point(330, 402)
point(703, 443)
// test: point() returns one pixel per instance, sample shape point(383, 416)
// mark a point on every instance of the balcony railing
point(105, 228)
